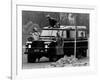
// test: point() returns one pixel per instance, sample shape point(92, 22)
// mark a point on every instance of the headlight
point(29, 46)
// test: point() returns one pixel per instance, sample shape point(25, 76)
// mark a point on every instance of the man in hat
point(52, 21)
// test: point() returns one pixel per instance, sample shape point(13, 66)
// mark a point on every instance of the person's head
point(58, 33)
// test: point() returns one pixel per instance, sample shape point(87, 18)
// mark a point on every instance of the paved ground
point(35, 65)
point(44, 63)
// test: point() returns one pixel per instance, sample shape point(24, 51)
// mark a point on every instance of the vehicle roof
point(66, 28)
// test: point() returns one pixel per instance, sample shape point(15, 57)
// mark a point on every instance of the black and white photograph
point(51, 40)
point(55, 39)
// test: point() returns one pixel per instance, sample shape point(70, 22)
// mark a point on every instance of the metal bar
point(76, 41)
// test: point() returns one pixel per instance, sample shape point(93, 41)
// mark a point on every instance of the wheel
point(51, 59)
point(31, 58)
point(84, 53)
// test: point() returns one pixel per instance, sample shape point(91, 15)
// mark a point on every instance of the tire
point(31, 58)
point(51, 59)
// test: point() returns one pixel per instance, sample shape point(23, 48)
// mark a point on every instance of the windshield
point(48, 32)
point(53, 33)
